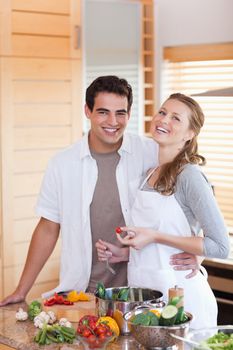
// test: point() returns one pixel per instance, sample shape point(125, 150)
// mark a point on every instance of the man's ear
point(87, 111)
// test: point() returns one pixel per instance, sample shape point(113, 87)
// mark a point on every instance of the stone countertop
point(20, 334)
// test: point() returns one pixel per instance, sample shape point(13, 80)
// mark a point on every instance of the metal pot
point(116, 309)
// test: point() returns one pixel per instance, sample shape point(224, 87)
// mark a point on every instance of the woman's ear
point(190, 135)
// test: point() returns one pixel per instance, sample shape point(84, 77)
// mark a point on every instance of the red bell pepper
point(57, 299)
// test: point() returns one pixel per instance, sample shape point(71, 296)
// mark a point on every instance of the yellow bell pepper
point(156, 312)
point(74, 296)
point(109, 321)
point(83, 296)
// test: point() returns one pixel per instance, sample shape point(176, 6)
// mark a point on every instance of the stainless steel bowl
point(156, 337)
point(117, 309)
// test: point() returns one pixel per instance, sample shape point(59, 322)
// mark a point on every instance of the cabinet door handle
point(77, 37)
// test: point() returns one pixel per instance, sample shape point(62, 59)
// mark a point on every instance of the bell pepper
point(57, 299)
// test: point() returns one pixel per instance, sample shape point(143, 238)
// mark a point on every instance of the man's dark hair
point(110, 84)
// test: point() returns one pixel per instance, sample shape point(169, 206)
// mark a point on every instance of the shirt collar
point(125, 147)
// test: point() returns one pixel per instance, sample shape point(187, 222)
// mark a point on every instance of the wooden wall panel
point(40, 110)
point(22, 229)
point(31, 160)
point(52, 92)
point(40, 24)
point(20, 251)
point(40, 46)
point(41, 69)
point(42, 115)
point(51, 6)
point(39, 138)
point(23, 207)
point(6, 139)
point(45, 281)
point(26, 184)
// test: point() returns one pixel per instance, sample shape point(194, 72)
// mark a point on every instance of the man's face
point(109, 119)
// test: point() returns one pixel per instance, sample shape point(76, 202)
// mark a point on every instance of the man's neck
point(99, 147)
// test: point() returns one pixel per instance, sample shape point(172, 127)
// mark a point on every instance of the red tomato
point(108, 334)
point(91, 339)
point(102, 337)
point(118, 230)
point(86, 333)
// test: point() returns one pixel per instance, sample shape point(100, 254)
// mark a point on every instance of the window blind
point(216, 138)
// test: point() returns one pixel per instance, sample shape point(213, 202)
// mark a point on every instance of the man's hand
point(13, 298)
point(109, 251)
point(185, 261)
point(43, 241)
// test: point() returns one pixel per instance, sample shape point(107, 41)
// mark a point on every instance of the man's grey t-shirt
point(105, 215)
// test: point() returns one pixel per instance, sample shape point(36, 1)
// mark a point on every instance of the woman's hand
point(110, 251)
point(138, 237)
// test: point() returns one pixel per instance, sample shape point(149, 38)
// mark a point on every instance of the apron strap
point(151, 172)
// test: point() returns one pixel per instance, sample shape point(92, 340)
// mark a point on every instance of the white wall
point(112, 29)
point(182, 22)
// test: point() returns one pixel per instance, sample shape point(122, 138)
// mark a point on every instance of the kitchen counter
point(19, 334)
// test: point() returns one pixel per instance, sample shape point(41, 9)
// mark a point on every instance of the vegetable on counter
point(74, 296)
point(219, 341)
point(181, 316)
point(64, 322)
point(21, 315)
point(120, 294)
point(55, 334)
point(94, 332)
point(57, 299)
point(44, 317)
point(109, 321)
point(147, 318)
point(170, 316)
point(87, 322)
point(100, 290)
point(34, 309)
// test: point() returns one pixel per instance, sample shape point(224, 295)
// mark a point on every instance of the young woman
point(173, 204)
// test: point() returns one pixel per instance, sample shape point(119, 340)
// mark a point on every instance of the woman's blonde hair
point(166, 181)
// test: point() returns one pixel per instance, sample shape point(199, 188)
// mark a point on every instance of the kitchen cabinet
point(40, 113)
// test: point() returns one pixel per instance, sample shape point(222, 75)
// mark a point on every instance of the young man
point(88, 190)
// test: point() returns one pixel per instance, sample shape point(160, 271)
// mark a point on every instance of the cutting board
point(73, 312)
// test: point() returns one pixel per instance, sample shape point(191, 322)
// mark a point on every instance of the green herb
point(100, 290)
point(123, 294)
point(34, 309)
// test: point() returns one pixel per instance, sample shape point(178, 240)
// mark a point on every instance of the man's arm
point(186, 261)
point(42, 244)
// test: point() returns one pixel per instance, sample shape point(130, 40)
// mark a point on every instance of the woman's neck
point(166, 154)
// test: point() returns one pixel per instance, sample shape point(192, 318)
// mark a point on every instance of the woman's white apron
point(150, 268)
